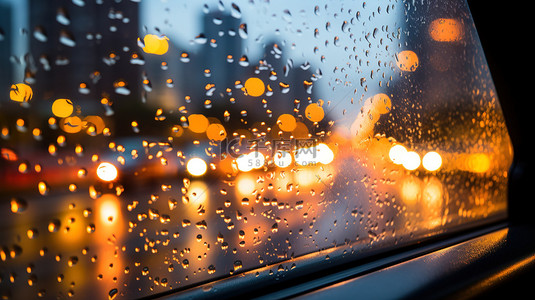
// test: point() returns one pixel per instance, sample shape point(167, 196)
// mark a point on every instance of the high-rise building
point(5, 44)
point(79, 51)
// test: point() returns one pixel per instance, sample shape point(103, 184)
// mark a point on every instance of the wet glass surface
point(149, 146)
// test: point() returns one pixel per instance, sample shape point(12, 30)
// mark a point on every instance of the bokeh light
point(407, 61)
point(20, 92)
point(254, 87)
point(432, 161)
point(397, 154)
point(154, 44)
point(198, 123)
point(62, 108)
point(314, 112)
point(107, 171)
point(411, 160)
point(446, 30)
point(196, 166)
point(216, 132)
point(286, 122)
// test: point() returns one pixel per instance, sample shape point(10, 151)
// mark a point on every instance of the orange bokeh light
point(446, 30)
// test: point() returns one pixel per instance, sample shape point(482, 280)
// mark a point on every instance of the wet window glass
point(150, 146)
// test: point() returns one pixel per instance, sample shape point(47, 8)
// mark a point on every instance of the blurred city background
point(126, 128)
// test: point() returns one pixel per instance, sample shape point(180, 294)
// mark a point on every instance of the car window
point(150, 146)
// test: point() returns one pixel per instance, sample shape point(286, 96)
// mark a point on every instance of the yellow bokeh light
point(314, 112)
point(286, 122)
point(432, 161)
point(432, 192)
point(196, 166)
point(411, 190)
point(155, 44)
point(62, 108)
point(23, 167)
point(407, 61)
point(397, 154)
point(107, 171)
point(8, 154)
point(300, 131)
point(71, 124)
point(20, 92)
point(198, 123)
point(479, 162)
point(254, 87)
point(20, 122)
point(216, 132)
point(411, 160)
point(96, 122)
point(324, 154)
point(381, 103)
point(108, 210)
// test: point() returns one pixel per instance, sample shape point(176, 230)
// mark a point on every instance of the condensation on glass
point(148, 146)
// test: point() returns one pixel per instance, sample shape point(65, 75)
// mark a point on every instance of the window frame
point(496, 272)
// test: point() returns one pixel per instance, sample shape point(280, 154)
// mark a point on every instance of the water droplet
point(185, 263)
point(211, 269)
point(184, 57)
point(235, 11)
point(66, 38)
point(287, 15)
point(112, 294)
point(73, 260)
point(336, 41)
point(18, 205)
point(53, 225)
point(62, 17)
point(137, 59)
point(345, 26)
point(201, 224)
point(172, 203)
point(90, 228)
point(32, 233)
point(43, 188)
point(80, 3)
point(200, 39)
point(242, 31)
point(244, 61)
point(284, 87)
point(153, 214)
point(40, 34)
point(237, 265)
point(121, 88)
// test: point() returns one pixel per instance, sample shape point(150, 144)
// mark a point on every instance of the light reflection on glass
point(154, 156)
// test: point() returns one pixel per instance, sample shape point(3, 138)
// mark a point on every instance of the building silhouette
point(6, 70)
point(78, 52)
